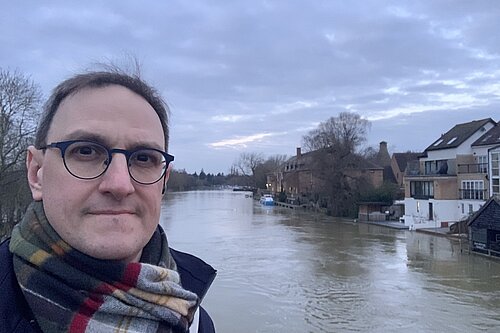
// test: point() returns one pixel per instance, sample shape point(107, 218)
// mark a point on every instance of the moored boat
point(267, 200)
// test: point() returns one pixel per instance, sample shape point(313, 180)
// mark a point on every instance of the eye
point(146, 158)
point(85, 151)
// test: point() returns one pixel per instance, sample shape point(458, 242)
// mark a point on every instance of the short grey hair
point(100, 79)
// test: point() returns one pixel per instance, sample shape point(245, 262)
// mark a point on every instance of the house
point(484, 228)
point(452, 177)
point(297, 177)
point(400, 162)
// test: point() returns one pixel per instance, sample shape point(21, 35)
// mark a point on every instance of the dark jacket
point(16, 316)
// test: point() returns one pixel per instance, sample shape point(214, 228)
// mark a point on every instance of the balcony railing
point(422, 196)
point(472, 194)
point(473, 168)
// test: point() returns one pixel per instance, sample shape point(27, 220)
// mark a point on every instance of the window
point(463, 209)
point(472, 189)
point(452, 140)
point(422, 189)
point(483, 163)
point(436, 167)
point(495, 173)
point(471, 208)
point(438, 142)
point(496, 186)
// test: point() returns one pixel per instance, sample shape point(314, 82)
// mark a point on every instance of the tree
point(246, 166)
point(270, 166)
point(20, 100)
point(248, 162)
point(346, 132)
point(335, 144)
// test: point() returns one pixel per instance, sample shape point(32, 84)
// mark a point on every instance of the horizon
point(256, 77)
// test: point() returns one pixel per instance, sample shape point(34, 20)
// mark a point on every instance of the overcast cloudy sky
point(255, 76)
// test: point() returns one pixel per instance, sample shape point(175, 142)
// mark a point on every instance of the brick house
point(297, 177)
point(400, 162)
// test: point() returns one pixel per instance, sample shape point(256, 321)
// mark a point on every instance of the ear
point(165, 178)
point(34, 164)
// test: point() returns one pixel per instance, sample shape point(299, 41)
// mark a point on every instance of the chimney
point(383, 157)
point(299, 153)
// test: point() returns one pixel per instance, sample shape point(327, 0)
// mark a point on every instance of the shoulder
point(196, 276)
point(15, 314)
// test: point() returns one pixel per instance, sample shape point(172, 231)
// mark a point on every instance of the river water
point(281, 270)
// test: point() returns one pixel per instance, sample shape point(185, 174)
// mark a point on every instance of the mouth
point(112, 212)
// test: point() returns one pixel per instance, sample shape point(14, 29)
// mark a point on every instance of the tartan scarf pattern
point(69, 291)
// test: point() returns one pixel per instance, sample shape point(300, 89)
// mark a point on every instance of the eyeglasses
point(89, 160)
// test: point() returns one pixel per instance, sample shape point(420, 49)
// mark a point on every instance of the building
point(484, 228)
point(401, 163)
point(298, 177)
point(454, 176)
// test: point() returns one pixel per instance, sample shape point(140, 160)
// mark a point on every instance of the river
point(281, 270)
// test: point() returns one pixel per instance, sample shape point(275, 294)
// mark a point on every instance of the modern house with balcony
point(454, 176)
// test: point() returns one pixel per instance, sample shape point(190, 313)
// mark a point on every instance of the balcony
point(473, 168)
point(472, 194)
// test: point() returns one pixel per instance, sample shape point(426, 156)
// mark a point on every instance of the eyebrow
point(96, 137)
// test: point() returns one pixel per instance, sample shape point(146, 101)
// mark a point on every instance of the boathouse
point(484, 228)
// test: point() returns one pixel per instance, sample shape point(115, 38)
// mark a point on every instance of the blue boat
point(267, 200)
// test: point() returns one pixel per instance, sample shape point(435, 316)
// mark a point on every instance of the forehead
point(114, 112)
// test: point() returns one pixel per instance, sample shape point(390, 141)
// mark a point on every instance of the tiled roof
point(402, 159)
point(486, 213)
point(458, 134)
point(489, 138)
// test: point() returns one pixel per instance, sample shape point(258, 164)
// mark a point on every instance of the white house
point(455, 175)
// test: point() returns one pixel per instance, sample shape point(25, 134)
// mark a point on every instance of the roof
point(458, 134)
point(402, 159)
point(491, 201)
point(489, 138)
point(353, 159)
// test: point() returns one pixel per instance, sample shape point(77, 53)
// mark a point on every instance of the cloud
point(258, 76)
point(240, 141)
point(230, 118)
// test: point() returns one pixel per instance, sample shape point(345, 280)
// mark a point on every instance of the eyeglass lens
point(89, 160)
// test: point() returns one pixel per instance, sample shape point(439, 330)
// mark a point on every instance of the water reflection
point(286, 271)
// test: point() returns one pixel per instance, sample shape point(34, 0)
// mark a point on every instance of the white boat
point(267, 200)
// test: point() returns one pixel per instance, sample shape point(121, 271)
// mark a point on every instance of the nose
point(116, 180)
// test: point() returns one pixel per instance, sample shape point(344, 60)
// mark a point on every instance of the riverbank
point(443, 232)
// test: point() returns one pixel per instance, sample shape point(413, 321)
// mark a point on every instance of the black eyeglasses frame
point(63, 145)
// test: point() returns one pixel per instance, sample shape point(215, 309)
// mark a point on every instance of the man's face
point(112, 216)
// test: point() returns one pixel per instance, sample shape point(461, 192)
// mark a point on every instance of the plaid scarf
point(69, 291)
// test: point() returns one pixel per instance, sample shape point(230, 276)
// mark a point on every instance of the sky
point(256, 76)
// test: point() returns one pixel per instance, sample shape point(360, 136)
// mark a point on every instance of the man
point(89, 255)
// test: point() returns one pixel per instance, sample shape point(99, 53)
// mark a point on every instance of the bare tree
point(274, 162)
point(19, 108)
point(346, 132)
point(335, 144)
point(270, 166)
point(247, 163)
